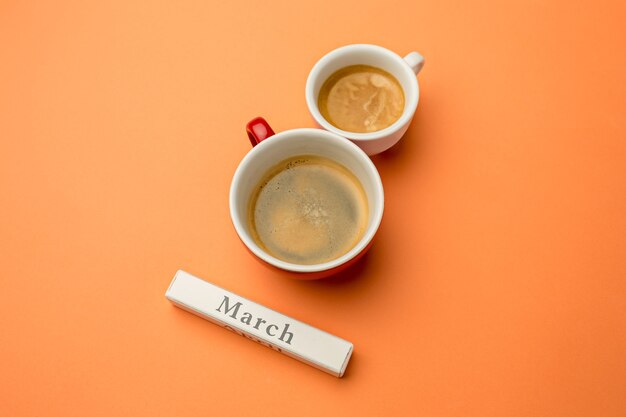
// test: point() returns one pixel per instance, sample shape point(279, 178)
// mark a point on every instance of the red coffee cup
point(269, 149)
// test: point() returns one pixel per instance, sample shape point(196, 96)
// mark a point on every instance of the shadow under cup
point(271, 151)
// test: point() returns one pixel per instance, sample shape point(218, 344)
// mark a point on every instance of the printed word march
point(247, 318)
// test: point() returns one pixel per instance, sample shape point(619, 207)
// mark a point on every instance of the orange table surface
point(497, 282)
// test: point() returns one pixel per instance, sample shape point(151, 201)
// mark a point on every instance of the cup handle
point(415, 61)
point(258, 129)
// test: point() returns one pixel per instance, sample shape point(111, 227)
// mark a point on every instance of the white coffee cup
point(404, 69)
point(270, 149)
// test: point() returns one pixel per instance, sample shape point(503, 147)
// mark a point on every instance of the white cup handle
point(415, 61)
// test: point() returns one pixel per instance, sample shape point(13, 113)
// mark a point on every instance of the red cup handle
point(258, 129)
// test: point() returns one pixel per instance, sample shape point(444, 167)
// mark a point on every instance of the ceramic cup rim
point(267, 144)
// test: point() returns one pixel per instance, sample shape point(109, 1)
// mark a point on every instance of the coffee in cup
point(344, 176)
point(307, 210)
point(356, 111)
point(361, 98)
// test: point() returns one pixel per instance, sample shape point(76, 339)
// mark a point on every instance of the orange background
point(496, 286)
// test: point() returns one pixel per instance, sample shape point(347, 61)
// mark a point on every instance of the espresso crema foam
point(361, 98)
point(308, 210)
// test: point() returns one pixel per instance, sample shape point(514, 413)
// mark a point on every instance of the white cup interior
point(375, 56)
point(284, 145)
